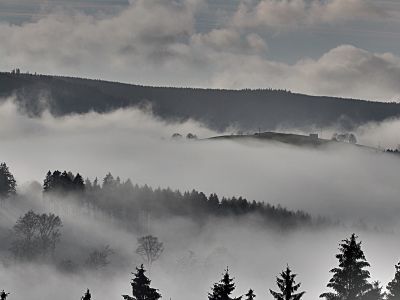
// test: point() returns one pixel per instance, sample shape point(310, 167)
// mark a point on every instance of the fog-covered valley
point(342, 188)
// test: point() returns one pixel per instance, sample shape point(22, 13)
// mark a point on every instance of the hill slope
point(219, 109)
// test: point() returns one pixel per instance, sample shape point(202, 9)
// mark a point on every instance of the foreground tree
point(374, 293)
point(149, 249)
point(287, 286)
point(87, 295)
point(349, 280)
point(36, 235)
point(8, 184)
point(250, 295)
point(3, 295)
point(223, 289)
point(141, 289)
point(393, 287)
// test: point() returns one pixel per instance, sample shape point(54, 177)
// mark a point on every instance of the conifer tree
point(87, 295)
point(349, 280)
point(393, 287)
point(78, 183)
point(223, 289)
point(109, 181)
point(7, 182)
point(250, 295)
point(374, 293)
point(287, 285)
point(141, 289)
point(47, 183)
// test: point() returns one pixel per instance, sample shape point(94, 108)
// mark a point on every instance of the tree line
point(350, 281)
point(127, 202)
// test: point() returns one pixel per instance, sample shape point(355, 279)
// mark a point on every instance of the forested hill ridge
point(245, 109)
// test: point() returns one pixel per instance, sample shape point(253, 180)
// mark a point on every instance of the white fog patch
point(357, 186)
point(343, 182)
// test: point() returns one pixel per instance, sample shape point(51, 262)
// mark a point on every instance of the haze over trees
point(99, 258)
point(128, 203)
point(149, 249)
point(36, 236)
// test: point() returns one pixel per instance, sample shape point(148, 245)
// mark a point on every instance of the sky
point(346, 48)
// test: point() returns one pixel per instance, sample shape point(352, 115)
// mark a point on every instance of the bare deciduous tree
point(149, 248)
point(36, 235)
point(98, 258)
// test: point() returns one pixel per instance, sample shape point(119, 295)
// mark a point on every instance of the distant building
point(314, 136)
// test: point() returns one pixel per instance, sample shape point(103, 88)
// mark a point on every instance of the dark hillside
point(219, 109)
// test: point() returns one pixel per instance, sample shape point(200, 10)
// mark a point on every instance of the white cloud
point(155, 42)
point(344, 71)
point(289, 14)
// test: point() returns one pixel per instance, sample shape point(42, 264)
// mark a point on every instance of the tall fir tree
point(8, 184)
point(250, 295)
point(141, 289)
point(287, 286)
point(350, 279)
point(393, 287)
point(223, 289)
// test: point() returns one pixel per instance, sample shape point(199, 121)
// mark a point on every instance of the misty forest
point(199, 150)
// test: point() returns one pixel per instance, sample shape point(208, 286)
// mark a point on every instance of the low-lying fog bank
point(356, 186)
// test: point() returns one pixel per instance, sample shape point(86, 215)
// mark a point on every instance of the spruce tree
point(374, 293)
point(349, 280)
point(223, 289)
point(250, 295)
point(393, 287)
point(287, 285)
point(141, 289)
point(78, 183)
point(7, 182)
point(48, 181)
point(87, 295)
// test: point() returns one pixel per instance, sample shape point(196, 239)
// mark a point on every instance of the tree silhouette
point(7, 182)
point(78, 183)
point(63, 183)
point(3, 295)
point(141, 289)
point(393, 287)
point(223, 289)
point(87, 295)
point(349, 280)
point(250, 295)
point(287, 285)
point(149, 248)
